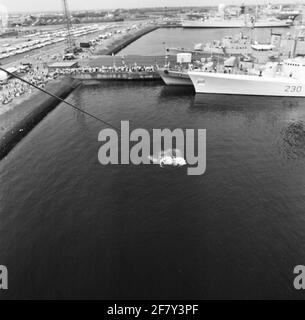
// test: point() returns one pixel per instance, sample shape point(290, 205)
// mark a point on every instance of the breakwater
point(120, 44)
point(171, 25)
point(20, 120)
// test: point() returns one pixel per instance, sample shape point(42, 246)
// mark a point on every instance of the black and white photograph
point(152, 150)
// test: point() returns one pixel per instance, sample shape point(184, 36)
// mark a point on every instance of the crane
point(71, 46)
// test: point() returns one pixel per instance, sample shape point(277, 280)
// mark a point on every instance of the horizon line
point(148, 7)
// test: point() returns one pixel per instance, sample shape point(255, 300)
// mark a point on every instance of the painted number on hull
point(293, 89)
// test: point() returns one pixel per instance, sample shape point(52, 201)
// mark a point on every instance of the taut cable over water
point(60, 99)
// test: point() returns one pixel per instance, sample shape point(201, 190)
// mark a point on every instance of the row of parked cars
point(27, 46)
point(43, 40)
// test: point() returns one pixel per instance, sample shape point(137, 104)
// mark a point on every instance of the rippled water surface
point(72, 228)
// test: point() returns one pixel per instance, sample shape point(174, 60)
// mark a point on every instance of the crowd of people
point(13, 88)
point(104, 69)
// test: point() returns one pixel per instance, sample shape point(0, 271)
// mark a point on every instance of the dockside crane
point(71, 44)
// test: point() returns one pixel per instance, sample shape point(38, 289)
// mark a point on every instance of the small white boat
point(169, 158)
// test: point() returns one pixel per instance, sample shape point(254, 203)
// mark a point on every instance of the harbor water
point(72, 228)
point(157, 42)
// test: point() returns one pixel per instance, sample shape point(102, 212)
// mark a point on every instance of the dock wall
point(117, 76)
point(120, 44)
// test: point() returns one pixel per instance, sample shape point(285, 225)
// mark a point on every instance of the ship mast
point(295, 43)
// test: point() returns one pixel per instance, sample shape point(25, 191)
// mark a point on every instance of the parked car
point(69, 56)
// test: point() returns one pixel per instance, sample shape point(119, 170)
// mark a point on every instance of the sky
point(55, 5)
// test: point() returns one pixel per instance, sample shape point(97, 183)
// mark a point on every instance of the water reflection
point(176, 91)
point(244, 102)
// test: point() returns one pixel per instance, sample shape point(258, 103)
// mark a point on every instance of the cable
point(60, 99)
